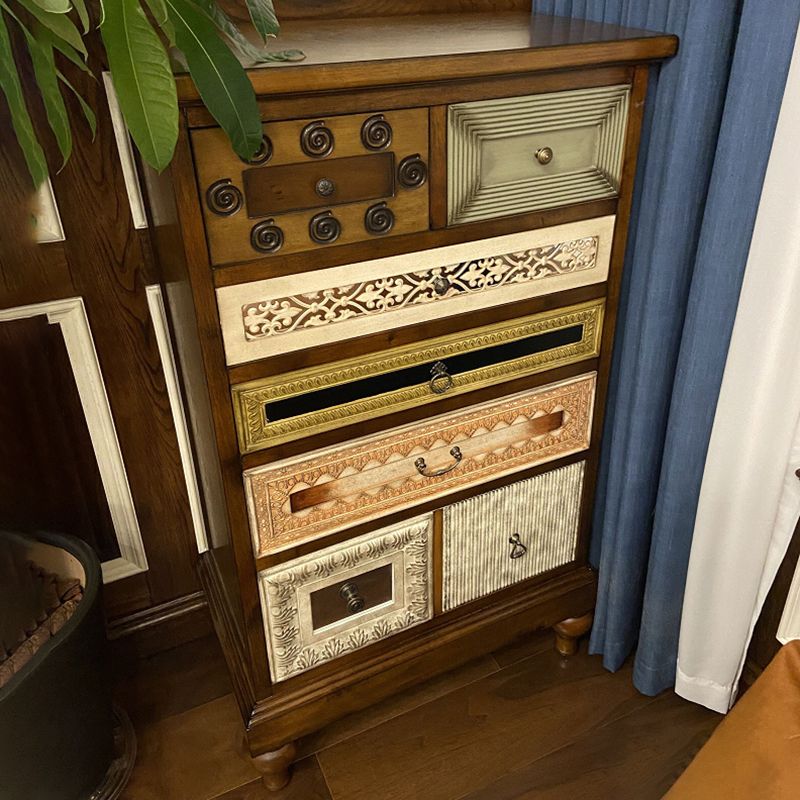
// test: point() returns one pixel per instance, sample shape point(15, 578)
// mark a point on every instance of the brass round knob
point(544, 155)
point(325, 187)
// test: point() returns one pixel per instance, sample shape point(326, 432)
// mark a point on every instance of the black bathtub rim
point(94, 578)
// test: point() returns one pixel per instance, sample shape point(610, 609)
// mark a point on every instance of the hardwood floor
point(521, 723)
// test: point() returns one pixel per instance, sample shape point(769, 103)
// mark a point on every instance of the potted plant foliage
point(145, 41)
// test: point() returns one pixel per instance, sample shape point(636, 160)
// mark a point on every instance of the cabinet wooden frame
point(278, 714)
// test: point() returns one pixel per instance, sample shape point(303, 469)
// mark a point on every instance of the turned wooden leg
point(275, 766)
point(568, 632)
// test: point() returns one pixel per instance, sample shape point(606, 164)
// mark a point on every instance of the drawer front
point(521, 154)
point(315, 183)
point(503, 537)
point(309, 496)
point(346, 597)
point(289, 406)
point(295, 312)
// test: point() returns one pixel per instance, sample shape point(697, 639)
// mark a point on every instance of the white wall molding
point(47, 219)
point(158, 314)
point(125, 149)
point(70, 316)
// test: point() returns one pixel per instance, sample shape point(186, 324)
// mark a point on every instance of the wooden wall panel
point(108, 263)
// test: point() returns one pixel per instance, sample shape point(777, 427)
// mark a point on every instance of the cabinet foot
point(275, 766)
point(568, 632)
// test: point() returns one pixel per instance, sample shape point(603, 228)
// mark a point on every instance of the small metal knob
point(517, 548)
point(355, 602)
point(441, 381)
point(544, 155)
point(325, 187)
point(441, 286)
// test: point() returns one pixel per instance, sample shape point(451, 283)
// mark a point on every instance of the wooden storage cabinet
point(348, 596)
point(395, 327)
point(506, 536)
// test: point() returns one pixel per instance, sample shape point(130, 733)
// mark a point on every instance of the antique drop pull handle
point(325, 187)
point(517, 548)
point(544, 155)
point(441, 381)
point(435, 473)
point(350, 594)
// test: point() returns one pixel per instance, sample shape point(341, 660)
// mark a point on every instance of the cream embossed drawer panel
point(345, 597)
point(278, 315)
point(520, 154)
point(503, 537)
point(314, 494)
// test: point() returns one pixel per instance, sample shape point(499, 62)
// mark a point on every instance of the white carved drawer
point(521, 154)
point(345, 597)
point(294, 312)
point(503, 537)
point(311, 495)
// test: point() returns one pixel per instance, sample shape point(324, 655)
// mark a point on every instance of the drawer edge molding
point(478, 431)
point(255, 432)
point(294, 312)
point(294, 645)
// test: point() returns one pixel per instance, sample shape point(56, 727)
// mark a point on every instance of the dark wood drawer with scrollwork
point(314, 183)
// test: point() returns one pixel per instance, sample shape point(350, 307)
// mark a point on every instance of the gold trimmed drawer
point(314, 183)
point(500, 538)
point(292, 405)
point(340, 599)
point(520, 154)
point(308, 496)
point(279, 315)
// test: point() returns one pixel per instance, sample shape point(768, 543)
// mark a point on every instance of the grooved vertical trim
point(544, 511)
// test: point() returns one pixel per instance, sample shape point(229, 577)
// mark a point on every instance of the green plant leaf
point(159, 12)
point(220, 78)
point(20, 118)
point(60, 24)
point(246, 50)
point(263, 15)
point(54, 6)
point(91, 119)
point(83, 14)
point(44, 68)
point(143, 80)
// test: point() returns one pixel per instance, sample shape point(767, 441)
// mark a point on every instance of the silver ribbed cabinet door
point(519, 154)
point(536, 520)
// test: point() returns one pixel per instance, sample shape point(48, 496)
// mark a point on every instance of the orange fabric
point(755, 751)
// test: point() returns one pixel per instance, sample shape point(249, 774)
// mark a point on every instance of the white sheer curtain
point(750, 497)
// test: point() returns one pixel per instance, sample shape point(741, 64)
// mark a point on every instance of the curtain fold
point(750, 497)
point(707, 136)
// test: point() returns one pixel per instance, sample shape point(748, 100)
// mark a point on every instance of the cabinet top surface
point(352, 53)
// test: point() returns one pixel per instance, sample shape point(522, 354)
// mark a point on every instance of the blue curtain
point(707, 134)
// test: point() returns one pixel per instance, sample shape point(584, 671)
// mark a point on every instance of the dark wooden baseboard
point(161, 627)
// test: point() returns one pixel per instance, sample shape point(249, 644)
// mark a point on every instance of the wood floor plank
point(476, 735)
point(529, 645)
point(394, 706)
point(637, 757)
point(308, 783)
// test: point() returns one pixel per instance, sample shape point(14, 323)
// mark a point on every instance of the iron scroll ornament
point(379, 219)
point(376, 133)
point(412, 172)
point(266, 237)
point(263, 154)
point(316, 139)
point(223, 198)
point(324, 228)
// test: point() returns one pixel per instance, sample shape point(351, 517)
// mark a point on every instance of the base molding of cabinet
point(306, 704)
point(569, 631)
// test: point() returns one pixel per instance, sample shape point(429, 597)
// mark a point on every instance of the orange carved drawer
point(311, 495)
